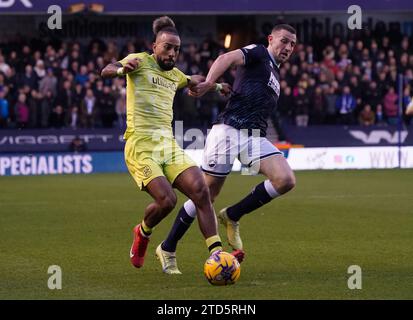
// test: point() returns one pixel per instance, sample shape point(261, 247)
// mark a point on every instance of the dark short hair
point(164, 24)
point(284, 26)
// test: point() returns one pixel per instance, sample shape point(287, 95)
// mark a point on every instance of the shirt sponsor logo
point(164, 83)
point(274, 84)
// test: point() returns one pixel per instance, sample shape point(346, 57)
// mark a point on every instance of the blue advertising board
point(349, 136)
point(53, 140)
point(61, 163)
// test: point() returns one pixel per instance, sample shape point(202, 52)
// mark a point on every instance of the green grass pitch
point(298, 247)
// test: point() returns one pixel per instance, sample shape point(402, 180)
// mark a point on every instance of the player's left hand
point(200, 89)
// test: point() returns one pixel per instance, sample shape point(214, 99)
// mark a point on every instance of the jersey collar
point(273, 60)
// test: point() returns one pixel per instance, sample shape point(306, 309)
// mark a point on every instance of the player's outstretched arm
point(113, 70)
point(221, 64)
point(195, 80)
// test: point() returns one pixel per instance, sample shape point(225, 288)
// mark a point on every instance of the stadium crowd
point(328, 81)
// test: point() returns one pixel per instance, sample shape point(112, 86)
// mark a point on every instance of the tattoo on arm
point(110, 70)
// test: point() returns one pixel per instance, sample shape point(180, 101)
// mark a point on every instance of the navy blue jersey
point(255, 91)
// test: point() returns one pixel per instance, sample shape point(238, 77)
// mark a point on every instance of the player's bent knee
point(200, 193)
point(284, 184)
point(167, 203)
point(289, 183)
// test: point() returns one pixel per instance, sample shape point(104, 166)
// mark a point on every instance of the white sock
point(270, 189)
point(190, 208)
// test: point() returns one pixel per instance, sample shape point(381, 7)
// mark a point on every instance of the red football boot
point(239, 255)
point(139, 246)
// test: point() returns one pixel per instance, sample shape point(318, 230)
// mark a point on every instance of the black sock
point(181, 225)
point(257, 198)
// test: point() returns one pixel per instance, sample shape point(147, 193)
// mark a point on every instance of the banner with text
point(298, 158)
point(213, 6)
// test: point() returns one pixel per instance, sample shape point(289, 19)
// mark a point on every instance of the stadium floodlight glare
point(96, 7)
point(227, 42)
point(77, 7)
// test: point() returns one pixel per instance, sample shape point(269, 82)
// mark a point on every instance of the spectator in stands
point(121, 108)
point(22, 111)
point(34, 102)
point(356, 89)
point(74, 117)
point(367, 116)
point(331, 97)
point(78, 94)
point(111, 54)
point(318, 107)
point(50, 57)
point(301, 108)
point(380, 119)
point(282, 114)
point(39, 69)
point(82, 76)
point(4, 109)
point(77, 145)
point(28, 78)
point(106, 105)
point(46, 106)
point(88, 110)
point(26, 58)
point(66, 96)
point(371, 95)
point(345, 105)
point(390, 106)
point(48, 83)
point(98, 89)
point(4, 67)
point(285, 106)
point(57, 118)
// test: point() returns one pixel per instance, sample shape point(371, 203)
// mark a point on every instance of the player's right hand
point(226, 89)
point(131, 65)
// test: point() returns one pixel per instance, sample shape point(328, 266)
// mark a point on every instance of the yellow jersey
point(150, 93)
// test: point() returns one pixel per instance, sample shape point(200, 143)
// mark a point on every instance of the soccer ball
point(222, 269)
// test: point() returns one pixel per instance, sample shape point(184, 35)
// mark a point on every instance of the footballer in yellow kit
point(152, 155)
point(151, 150)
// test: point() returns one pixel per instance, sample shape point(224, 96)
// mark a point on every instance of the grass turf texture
point(298, 247)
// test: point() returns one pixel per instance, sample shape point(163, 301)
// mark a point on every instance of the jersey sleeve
point(252, 54)
point(183, 79)
point(132, 56)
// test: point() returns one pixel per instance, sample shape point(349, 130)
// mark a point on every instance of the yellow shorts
point(147, 159)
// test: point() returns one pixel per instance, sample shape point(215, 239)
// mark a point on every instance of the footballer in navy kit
point(255, 91)
point(240, 132)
